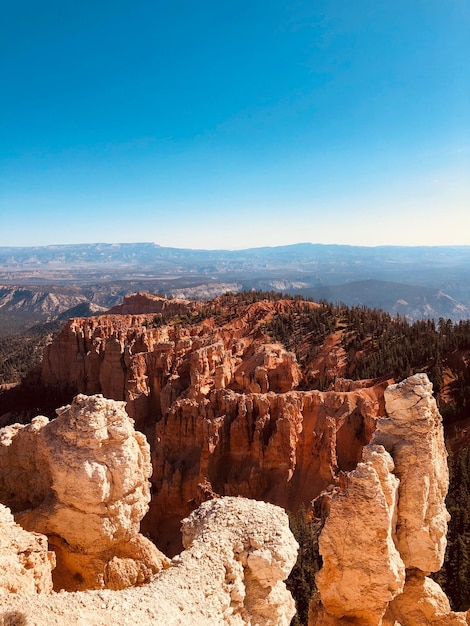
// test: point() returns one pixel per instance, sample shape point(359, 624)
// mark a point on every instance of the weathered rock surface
point(422, 603)
point(82, 479)
point(390, 515)
point(413, 434)
point(362, 569)
point(237, 554)
point(25, 562)
point(127, 357)
point(144, 303)
point(222, 408)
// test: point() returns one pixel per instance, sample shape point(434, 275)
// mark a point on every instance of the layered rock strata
point(83, 480)
point(387, 524)
point(237, 554)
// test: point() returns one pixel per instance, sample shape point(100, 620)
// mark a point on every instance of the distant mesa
point(146, 303)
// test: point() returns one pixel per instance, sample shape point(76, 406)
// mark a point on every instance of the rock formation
point(218, 403)
point(82, 480)
point(284, 448)
point(389, 520)
point(362, 569)
point(413, 434)
point(237, 554)
point(150, 364)
point(228, 412)
point(25, 561)
point(422, 603)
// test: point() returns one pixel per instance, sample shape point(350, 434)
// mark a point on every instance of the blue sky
point(235, 124)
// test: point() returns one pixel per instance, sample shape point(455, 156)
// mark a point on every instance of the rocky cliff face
point(150, 363)
point(82, 480)
point(284, 448)
point(237, 554)
point(387, 523)
point(219, 404)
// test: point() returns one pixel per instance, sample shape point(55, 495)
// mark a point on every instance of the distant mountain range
point(408, 301)
point(41, 283)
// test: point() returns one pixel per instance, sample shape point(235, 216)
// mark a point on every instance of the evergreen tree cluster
point(18, 354)
point(301, 323)
point(454, 577)
point(378, 345)
point(301, 581)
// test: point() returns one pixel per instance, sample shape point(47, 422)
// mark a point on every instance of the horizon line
point(260, 247)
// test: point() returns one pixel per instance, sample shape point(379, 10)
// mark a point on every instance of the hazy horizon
point(287, 245)
point(232, 125)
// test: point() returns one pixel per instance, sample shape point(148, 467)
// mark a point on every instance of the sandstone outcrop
point(389, 519)
point(237, 554)
point(82, 480)
point(128, 357)
point(362, 570)
point(413, 434)
point(422, 603)
point(145, 303)
point(25, 562)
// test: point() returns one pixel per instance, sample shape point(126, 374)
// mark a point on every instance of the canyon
point(383, 533)
point(222, 419)
point(219, 404)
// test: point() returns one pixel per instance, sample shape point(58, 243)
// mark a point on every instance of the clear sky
point(232, 124)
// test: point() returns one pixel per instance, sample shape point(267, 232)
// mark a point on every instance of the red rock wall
point(219, 405)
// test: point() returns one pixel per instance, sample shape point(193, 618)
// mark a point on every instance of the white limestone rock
point(413, 434)
point(83, 480)
point(238, 552)
point(362, 569)
point(25, 562)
